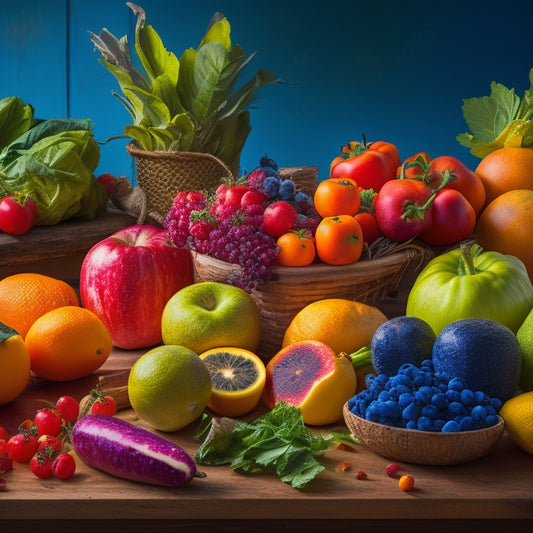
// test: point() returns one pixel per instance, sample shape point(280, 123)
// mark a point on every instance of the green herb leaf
point(6, 332)
point(501, 119)
point(277, 442)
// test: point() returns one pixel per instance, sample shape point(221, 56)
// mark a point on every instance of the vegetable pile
point(46, 169)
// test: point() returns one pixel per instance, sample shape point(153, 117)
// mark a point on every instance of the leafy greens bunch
point(187, 104)
point(499, 120)
point(276, 442)
point(50, 161)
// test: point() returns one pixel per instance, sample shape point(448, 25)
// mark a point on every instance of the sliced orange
point(237, 380)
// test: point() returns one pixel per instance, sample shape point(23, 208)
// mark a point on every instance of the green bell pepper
point(468, 282)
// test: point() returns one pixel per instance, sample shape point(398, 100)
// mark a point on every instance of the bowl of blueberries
point(422, 417)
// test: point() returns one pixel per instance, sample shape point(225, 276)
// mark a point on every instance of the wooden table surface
point(496, 490)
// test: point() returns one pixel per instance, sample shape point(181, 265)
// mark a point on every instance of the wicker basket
point(161, 175)
point(366, 281)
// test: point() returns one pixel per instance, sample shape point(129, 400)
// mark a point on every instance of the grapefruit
point(169, 387)
point(310, 376)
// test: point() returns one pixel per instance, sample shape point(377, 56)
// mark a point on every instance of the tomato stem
point(468, 253)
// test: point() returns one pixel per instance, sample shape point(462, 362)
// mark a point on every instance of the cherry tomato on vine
point(68, 408)
point(47, 422)
point(104, 406)
point(296, 248)
point(16, 216)
point(453, 219)
point(337, 197)
point(339, 240)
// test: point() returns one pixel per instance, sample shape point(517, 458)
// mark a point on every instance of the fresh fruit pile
point(420, 398)
point(240, 223)
point(44, 441)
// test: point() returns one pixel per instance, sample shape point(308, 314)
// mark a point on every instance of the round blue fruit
point(401, 340)
point(481, 354)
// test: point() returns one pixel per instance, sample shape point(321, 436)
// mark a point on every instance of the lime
point(525, 338)
point(237, 380)
point(169, 387)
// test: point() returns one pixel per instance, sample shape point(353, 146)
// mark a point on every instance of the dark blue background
point(394, 71)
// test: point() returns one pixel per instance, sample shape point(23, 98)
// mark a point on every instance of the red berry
point(279, 218)
point(47, 422)
point(6, 463)
point(4, 434)
point(104, 406)
point(41, 465)
point(64, 466)
point(361, 474)
point(392, 469)
point(234, 194)
point(21, 448)
point(68, 408)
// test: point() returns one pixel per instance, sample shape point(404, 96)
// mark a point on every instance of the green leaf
point(6, 332)
point(218, 30)
point(16, 117)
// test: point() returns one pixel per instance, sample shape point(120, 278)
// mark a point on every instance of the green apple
point(209, 315)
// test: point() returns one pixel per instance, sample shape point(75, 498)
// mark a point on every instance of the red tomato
point(337, 197)
point(453, 219)
point(369, 165)
point(369, 225)
point(16, 217)
point(411, 167)
point(296, 249)
point(339, 240)
point(402, 208)
point(468, 182)
point(279, 218)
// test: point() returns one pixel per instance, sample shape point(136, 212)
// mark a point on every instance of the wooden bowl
point(424, 447)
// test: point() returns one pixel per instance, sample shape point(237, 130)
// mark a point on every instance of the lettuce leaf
point(498, 120)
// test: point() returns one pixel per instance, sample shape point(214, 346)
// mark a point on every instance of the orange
point(67, 343)
point(344, 325)
point(337, 197)
point(27, 296)
point(506, 226)
point(506, 169)
point(14, 364)
point(518, 415)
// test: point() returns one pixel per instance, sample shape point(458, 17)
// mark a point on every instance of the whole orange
point(68, 343)
point(27, 296)
point(506, 169)
point(506, 226)
point(344, 325)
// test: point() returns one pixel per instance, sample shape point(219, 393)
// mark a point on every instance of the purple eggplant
point(124, 450)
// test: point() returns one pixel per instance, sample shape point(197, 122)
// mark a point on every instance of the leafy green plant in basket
point(187, 104)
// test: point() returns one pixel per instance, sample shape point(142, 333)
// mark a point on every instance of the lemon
point(517, 413)
point(237, 380)
point(14, 364)
point(169, 387)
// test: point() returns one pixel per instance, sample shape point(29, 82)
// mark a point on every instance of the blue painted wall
point(395, 71)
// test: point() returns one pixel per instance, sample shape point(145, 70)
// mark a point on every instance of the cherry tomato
point(337, 197)
point(369, 165)
point(41, 465)
point(4, 434)
point(64, 466)
point(402, 208)
point(47, 422)
point(16, 216)
point(21, 448)
point(68, 408)
point(104, 406)
point(47, 441)
point(369, 225)
point(339, 240)
point(296, 249)
point(453, 219)
point(279, 218)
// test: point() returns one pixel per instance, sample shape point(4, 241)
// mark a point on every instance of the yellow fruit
point(309, 375)
point(344, 325)
point(27, 296)
point(518, 415)
point(68, 343)
point(14, 364)
point(169, 387)
point(525, 339)
point(237, 380)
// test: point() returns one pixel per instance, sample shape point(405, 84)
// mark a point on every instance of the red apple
point(127, 279)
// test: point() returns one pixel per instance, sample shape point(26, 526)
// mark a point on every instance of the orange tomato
point(296, 249)
point(337, 197)
point(339, 240)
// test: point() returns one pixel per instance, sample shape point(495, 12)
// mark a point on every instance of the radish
point(124, 450)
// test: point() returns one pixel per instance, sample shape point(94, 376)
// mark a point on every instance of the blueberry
point(384, 396)
point(405, 399)
point(411, 412)
point(467, 397)
point(430, 411)
point(491, 420)
point(456, 408)
point(453, 395)
point(424, 424)
point(438, 424)
point(450, 427)
point(479, 413)
point(440, 400)
point(455, 384)
point(466, 423)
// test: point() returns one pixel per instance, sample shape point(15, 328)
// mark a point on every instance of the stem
point(468, 253)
